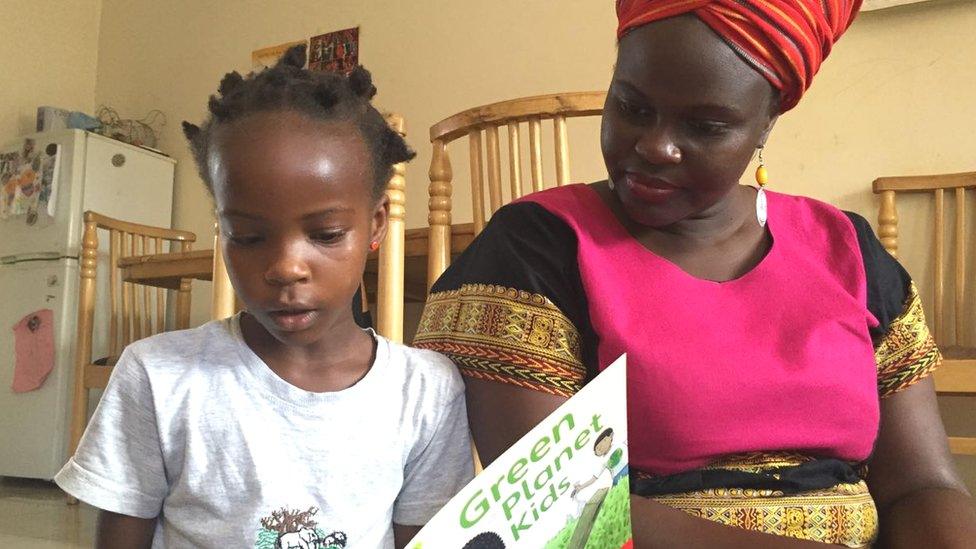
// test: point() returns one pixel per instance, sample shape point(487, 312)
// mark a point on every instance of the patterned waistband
point(841, 513)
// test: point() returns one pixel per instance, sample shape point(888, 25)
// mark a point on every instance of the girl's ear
point(380, 220)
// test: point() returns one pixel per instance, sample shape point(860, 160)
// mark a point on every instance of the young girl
point(287, 425)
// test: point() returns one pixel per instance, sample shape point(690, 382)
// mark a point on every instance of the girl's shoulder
point(423, 370)
point(184, 348)
point(214, 332)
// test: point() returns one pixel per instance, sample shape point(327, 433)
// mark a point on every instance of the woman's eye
point(708, 127)
point(328, 236)
point(631, 108)
point(243, 240)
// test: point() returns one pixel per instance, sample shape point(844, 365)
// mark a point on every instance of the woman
point(778, 372)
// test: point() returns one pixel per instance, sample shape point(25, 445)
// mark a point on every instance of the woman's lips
point(650, 190)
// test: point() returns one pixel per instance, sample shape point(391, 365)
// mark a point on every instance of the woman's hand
point(402, 534)
point(921, 500)
point(115, 531)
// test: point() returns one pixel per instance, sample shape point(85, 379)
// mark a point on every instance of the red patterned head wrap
point(785, 40)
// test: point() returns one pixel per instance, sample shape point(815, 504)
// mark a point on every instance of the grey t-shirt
point(196, 429)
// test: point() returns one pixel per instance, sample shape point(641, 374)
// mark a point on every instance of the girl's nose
point(287, 267)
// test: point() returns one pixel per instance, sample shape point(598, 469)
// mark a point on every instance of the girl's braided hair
point(289, 86)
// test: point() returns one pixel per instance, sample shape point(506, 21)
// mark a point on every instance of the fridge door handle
point(20, 258)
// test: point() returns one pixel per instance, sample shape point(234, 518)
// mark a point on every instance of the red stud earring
point(373, 246)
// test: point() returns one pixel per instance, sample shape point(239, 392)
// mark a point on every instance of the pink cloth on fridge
point(34, 350)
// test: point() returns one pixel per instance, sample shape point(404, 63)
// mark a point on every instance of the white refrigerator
point(39, 270)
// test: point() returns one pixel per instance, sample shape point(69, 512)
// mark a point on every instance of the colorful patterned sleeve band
point(507, 335)
point(907, 353)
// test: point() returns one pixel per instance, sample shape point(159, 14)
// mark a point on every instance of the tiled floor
point(34, 514)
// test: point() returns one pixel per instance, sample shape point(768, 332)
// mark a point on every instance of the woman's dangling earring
point(610, 183)
point(762, 177)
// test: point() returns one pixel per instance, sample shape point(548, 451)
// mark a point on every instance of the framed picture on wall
point(334, 51)
point(267, 57)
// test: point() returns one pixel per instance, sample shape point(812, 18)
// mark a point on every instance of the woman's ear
point(769, 127)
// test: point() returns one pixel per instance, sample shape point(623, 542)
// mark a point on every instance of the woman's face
point(683, 117)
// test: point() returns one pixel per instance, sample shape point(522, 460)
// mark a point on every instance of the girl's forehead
point(288, 127)
point(289, 137)
point(260, 157)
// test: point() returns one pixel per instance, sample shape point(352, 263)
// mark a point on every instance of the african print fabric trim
point(757, 462)
point(842, 514)
point(907, 353)
point(507, 335)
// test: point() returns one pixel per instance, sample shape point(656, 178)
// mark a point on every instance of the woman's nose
point(657, 146)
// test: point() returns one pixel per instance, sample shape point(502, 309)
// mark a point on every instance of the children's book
point(563, 485)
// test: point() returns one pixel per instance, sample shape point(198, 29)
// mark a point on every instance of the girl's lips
point(293, 320)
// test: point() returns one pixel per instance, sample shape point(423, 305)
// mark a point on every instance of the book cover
point(564, 485)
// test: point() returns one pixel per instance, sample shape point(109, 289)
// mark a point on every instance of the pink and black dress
point(752, 402)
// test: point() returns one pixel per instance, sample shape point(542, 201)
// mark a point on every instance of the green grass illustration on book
point(611, 527)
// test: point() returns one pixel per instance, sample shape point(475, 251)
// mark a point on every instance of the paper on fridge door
point(34, 350)
point(28, 181)
point(563, 485)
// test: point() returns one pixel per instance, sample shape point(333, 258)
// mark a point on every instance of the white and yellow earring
point(762, 177)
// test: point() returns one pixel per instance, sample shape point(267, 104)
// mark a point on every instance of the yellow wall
point(48, 54)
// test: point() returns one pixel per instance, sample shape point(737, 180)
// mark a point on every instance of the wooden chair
point(386, 266)
point(134, 311)
point(482, 124)
point(223, 300)
point(957, 376)
point(389, 294)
